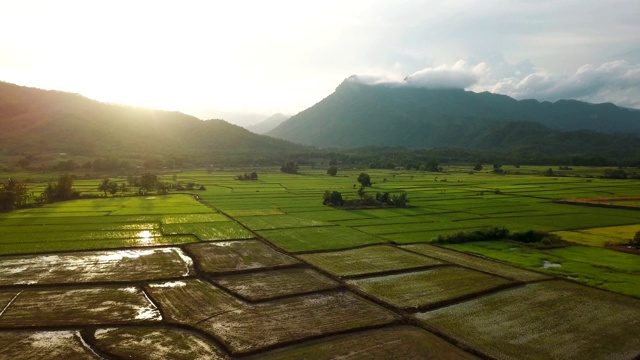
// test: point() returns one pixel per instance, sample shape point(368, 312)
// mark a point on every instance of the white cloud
point(614, 81)
point(457, 76)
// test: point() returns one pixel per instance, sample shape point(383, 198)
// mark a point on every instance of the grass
point(375, 344)
point(221, 230)
point(230, 256)
point(607, 269)
point(429, 287)
point(272, 284)
point(318, 238)
point(371, 259)
point(601, 236)
point(112, 223)
point(477, 263)
point(547, 320)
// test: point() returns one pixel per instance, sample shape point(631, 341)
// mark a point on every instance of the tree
point(147, 182)
point(332, 198)
point(123, 188)
point(477, 167)
point(63, 190)
point(548, 172)
point(161, 187)
point(364, 179)
point(635, 242)
point(399, 200)
point(104, 186)
point(113, 188)
point(333, 171)
point(289, 167)
point(13, 194)
point(432, 165)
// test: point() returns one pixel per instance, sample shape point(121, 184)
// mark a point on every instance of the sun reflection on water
point(144, 237)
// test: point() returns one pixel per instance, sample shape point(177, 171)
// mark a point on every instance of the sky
point(243, 61)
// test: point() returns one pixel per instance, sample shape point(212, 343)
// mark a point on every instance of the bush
point(332, 198)
point(289, 167)
point(495, 233)
point(635, 242)
point(247, 176)
point(364, 179)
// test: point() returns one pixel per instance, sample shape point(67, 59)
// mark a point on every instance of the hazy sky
point(216, 58)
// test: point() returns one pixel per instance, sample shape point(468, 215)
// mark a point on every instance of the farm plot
point(274, 284)
point(318, 238)
point(21, 344)
point(402, 342)
point(368, 260)
point(90, 224)
point(245, 328)
point(76, 306)
point(252, 211)
point(429, 288)
point(601, 236)
point(604, 268)
point(475, 262)
point(95, 244)
point(193, 218)
point(95, 266)
point(233, 256)
point(278, 222)
point(221, 230)
point(155, 343)
point(547, 320)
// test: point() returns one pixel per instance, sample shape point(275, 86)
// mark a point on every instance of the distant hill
point(358, 115)
point(38, 121)
point(267, 124)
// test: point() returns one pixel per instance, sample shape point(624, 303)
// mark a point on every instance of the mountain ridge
point(36, 121)
point(357, 115)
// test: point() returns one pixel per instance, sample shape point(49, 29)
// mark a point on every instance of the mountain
point(39, 121)
point(267, 124)
point(358, 115)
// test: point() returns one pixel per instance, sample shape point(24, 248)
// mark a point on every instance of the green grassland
point(546, 320)
point(604, 268)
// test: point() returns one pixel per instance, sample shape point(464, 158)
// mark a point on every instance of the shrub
point(489, 234)
point(635, 242)
point(332, 198)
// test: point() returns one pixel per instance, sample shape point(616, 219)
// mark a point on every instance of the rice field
point(261, 269)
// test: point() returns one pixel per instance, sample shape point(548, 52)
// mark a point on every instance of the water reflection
point(144, 237)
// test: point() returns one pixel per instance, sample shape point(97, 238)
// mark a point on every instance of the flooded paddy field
point(265, 285)
point(253, 270)
point(551, 319)
point(230, 256)
point(367, 260)
point(95, 266)
point(425, 289)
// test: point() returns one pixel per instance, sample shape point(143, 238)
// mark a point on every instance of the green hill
point(37, 121)
point(358, 115)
